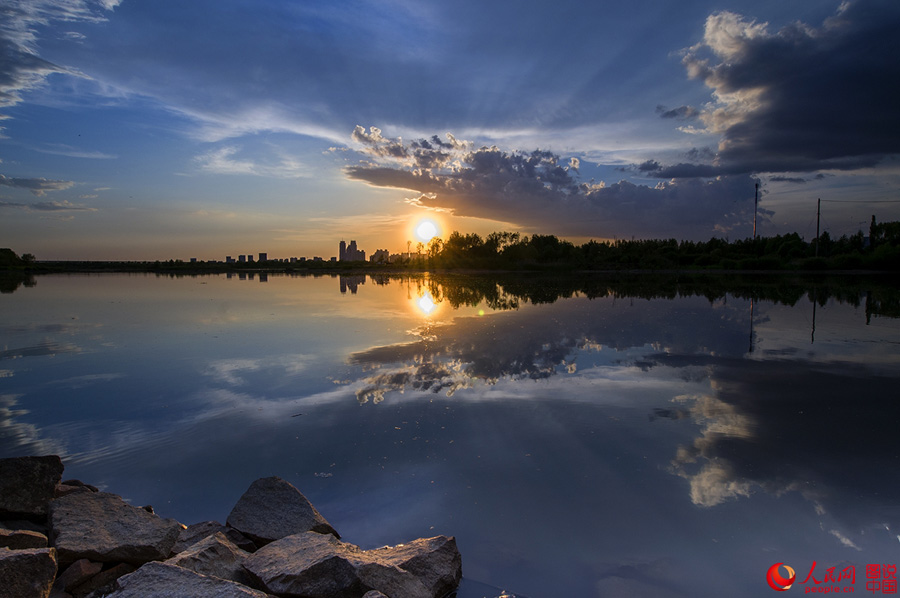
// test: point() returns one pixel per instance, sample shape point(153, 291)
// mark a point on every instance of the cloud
point(22, 69)
point(48, 206)
point(539, 190)
point(787, 179)
point(799, 99)
point(60, 149)
point(37, 186)
point(224, 161)
point(681, 113)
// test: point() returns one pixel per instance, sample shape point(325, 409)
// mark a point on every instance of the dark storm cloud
point(539, 190)
point(787, 179)
point(681, 113)
point(802, 98)
point(38, 186)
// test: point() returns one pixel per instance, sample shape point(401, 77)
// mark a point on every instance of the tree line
point(509, 250)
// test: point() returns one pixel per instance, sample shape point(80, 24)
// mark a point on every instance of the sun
point(426, 230)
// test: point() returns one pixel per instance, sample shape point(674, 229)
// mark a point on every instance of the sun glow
point(426, 304)
point(426, 230)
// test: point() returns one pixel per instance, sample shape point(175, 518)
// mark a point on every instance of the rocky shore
point(65, 539)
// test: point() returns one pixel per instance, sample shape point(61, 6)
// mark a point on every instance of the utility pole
point(818, 217)
point(755, 209)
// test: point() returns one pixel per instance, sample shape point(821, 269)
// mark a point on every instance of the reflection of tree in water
point(504, 291)
point(450, 356)
point(10, 281)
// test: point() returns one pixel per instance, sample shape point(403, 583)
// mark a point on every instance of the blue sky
point(155, 130)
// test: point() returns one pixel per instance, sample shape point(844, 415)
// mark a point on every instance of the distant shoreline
point(355, 268)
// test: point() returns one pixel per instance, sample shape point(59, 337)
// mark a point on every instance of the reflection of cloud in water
point(230, 371)
point(539, 342)
point(41, 349)
point(826, 431)
point(19, 438)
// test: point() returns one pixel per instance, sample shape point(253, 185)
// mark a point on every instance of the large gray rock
point(77, 574)
point(436, 561)
point(27, 573)
point(272, 509)
point(102, 583)
point(27, 484)
point(102, 527)
point(198, 531)
point(161, 580)
point(312, 565)
point(216, 556)
point(194, 533)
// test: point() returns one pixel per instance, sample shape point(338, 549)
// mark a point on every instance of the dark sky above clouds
point(293, 124)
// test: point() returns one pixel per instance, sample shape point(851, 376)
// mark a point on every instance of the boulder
point(272, 509)
point(64, 489)
point(315, 565)
point(102, 527)
point(198, 531)
point(104, 582)
point(27, 573)
point(76, 574)
point(27, 484)
point(307, 564)
point(22, 538)
point(436, 562)
point(161, 580)
point(216, 556)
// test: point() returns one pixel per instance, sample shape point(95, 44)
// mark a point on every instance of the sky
point(136, 129)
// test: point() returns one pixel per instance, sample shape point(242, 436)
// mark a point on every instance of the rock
point(21, 524)
point(22, 538)
point(194, 533)
point(374, 594)
point(76, 574)
point(64, 489)
point(272, 509)
point(315, 565)
point(101, 527)
point(80, 484)
point(306, 564)
point(436, 562)
point(27, 484)
point(198, 531)
point(104, 582)
point(161, 580)
point(216, 556)
point(27, 573)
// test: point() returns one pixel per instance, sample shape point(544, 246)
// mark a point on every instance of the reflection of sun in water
point(425, 303)
point(426, 230)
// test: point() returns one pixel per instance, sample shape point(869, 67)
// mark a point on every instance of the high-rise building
point(351, 253)
point(263, 257)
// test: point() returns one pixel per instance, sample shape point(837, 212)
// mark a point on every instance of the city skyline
point(143, 131)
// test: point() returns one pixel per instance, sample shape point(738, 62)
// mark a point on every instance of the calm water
point(579, 438)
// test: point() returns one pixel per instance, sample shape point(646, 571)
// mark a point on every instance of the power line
point(861, 202)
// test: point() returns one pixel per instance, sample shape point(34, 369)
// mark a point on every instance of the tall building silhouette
point(351, 253)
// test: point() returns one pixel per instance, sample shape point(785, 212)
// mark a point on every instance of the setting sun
point(426, 230)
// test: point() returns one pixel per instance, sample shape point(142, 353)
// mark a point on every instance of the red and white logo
point(778, 582)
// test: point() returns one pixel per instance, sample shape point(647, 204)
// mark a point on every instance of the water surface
point(579, 437)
